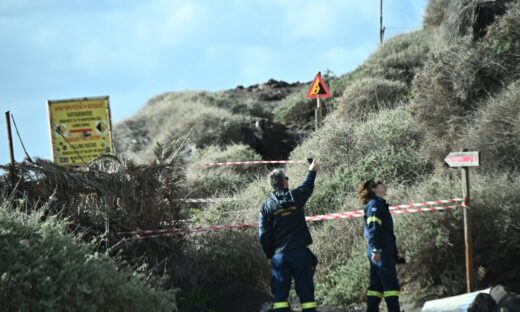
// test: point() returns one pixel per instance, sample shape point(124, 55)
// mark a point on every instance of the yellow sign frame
point(80, 129)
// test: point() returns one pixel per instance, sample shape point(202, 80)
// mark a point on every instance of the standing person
point(285, 238)
point(382, 249)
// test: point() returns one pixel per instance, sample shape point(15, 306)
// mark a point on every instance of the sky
point(133, 50)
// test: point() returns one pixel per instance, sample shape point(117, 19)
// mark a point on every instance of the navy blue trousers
point(299, 265)
point(383, 284)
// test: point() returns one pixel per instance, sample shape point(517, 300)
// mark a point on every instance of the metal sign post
point(464, 160)
point(318, 115)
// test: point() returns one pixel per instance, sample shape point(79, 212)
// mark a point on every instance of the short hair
point(277, 179)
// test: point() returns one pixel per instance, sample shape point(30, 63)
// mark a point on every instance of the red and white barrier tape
point(252, 162)
point(411, 205)
point(399, 209)
point(428, 203)
point(202, 200)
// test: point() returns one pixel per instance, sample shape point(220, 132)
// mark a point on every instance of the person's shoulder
point(372, 202)
point(269, 203)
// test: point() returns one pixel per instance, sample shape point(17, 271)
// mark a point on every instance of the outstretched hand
point(314, 166)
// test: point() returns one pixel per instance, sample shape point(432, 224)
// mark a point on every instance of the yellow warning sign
point(81, 129)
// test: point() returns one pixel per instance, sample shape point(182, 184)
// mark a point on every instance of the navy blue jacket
point(379, 228)
point(282, 225)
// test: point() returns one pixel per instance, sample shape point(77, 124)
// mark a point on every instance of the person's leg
point(390, 285)
point(303, 270)
point(375, 288)
point(280, 283)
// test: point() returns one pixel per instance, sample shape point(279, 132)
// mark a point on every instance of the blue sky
point(133, 50)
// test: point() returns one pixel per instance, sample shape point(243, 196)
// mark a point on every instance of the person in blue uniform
point(285, 238)
point(382, 249)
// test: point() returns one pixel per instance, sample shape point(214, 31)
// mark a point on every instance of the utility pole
point(381, 27)
point(11, 149)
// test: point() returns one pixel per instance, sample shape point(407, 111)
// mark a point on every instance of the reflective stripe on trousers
point(280, 305)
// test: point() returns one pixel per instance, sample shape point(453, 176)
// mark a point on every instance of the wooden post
point(467, 228)
point(11, 149)
point(318, 115)
point(107, 221)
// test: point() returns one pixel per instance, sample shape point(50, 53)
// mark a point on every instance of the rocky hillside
point(454, 84)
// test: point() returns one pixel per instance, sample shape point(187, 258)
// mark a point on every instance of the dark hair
point(277, 178)
point(365, 190)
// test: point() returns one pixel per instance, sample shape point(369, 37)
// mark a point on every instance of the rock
point(483, 303)
point(484, 15)
point(507, 301)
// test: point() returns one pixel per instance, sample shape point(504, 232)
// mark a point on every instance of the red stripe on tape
point(251, 162)
point(146, 234)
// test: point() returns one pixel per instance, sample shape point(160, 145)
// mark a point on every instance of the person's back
point(284, 236)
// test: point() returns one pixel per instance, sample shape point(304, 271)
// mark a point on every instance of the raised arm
point(304, 191)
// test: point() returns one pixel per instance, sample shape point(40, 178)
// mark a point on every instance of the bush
point(455, 82)
point(496, 130)
point(296, 111)
point(386, 146)
point(235, 256)
point(370, 95)
point(432, 243)
point(221, 181)
point(172, 116)
point(43, 269)
point(436, 12)
point(398, 58)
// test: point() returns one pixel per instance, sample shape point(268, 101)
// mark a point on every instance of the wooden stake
point(107, 220)
point(467, 228)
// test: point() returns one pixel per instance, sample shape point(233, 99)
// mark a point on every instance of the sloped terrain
point(454, 84)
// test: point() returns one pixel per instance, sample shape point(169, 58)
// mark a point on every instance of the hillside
point(454, 84)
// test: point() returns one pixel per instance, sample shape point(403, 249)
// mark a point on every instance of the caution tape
point(399, 209)
point(252, 162)
point(202, 200)
point(411, 205)
point(430, 203)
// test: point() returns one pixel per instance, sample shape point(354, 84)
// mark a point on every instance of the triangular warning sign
point(318, 88)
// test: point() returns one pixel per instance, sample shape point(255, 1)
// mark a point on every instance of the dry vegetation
point(419, 96)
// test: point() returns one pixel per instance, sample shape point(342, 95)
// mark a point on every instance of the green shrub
point(432, 243)
point(398, 58)
point(43, 269)
point(221, 181)
point(496, 130)
point(456, 22)
point(172, 116)
point(370, 95)
point(436, 12)
point(296, 111)
point(385, 146)
point(234, 256)
point(455, 82)
point(347, 282)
